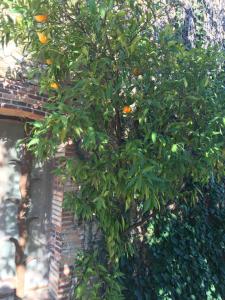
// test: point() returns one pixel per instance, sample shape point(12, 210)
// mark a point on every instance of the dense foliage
point(146, 115)
point(183, 254)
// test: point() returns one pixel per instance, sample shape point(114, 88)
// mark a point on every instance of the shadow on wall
point(36, 252)
point(7, 293)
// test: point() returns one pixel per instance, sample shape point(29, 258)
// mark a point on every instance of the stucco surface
point(37, 252)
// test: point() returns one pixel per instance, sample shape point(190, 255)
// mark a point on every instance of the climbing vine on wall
point(182, 256)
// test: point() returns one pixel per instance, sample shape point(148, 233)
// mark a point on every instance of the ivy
point(182, 256)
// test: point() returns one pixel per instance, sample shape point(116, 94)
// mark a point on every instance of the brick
point(35, 97)
point(16, 99)
point(66, 234)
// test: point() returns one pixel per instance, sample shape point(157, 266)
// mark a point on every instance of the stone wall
point(206, 17)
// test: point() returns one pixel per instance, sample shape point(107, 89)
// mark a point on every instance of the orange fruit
point(48, 61)
point(54, 85)
point(42, 37)
point(41, 18)
point(127, 109)
point(136, 72)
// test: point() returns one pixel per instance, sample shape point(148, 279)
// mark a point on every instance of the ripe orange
point(127, 109)
point(136, 72)
point(54, 85)
point(42, 37)
point(41, 18)
point(48, 61)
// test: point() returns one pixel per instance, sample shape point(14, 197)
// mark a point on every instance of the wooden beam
point(11, 112)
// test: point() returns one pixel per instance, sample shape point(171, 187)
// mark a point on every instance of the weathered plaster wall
point(10, 58)
point(37, 250)
point(9, 192)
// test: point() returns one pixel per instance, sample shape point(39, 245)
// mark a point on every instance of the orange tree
point(146, 115)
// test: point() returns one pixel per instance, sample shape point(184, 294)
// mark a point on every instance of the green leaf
point(33, 141)
point(185, 83)
point(154, 137)
point(174, 148)
point(92, 5)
